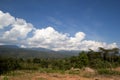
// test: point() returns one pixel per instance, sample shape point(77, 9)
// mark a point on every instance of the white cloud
point(46, 37)
point(52, 39)
point(77, 38)
point(5, 19)
point(19, 29)
point(94, 45)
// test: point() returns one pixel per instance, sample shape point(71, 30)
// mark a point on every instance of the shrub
point(74, 72)
point(99, 64)
point(108, 72)
point(5, 78)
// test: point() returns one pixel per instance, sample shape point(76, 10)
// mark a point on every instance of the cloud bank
point(19, 32)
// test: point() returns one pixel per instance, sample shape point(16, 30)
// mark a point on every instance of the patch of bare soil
point(55, 76)
point(117, 69)
point(89, 70)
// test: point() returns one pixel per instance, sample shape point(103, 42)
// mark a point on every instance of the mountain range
point(18, 52)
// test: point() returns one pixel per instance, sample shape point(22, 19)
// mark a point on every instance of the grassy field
point(48, 74)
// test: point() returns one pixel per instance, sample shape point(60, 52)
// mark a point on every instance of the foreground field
point(36, 75)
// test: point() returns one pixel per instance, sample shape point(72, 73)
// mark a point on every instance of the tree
point(114, 54)
point(109, 54)
point(82, 59)
point(104, 53)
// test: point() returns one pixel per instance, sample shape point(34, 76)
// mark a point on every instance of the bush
point(50, 70)
point(108, 72)
point(5, 78)
point(8, 64)
point(29, 66)
point(99, 64)
point(74, 72)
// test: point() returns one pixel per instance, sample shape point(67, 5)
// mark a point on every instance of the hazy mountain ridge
point(15, 51)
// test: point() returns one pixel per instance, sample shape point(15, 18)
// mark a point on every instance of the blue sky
point(98, 19)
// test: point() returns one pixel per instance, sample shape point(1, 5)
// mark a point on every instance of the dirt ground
point(69, 77)
point(86, 74)
point(57, 76)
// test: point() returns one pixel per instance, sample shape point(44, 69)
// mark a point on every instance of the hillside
point(15, 51)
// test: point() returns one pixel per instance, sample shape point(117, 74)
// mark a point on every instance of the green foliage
point(74, 72)
point(14, 73)
point(5, 78)
point(83, 59)
point(79, 61)
point(49, 70)
point(28, 66)
point(8, 64)
point(108, 72)
point(98, 64)
point(104, 58)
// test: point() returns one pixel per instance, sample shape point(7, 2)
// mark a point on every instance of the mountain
point(40, 49)
point(17, 52)
point(70, 53)
point(8, 46)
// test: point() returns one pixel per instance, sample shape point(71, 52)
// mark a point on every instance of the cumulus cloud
point(19, 29)
point(46, 37)
point(52, 39)
point(5, 19)
point(94, 45)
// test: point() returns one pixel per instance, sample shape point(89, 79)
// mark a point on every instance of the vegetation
point(102, 60)
point(108, 72)
point(5, 78)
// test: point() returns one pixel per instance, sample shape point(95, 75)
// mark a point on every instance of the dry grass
point(36, 75)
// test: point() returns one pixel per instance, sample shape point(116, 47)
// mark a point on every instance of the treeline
point(103, 58)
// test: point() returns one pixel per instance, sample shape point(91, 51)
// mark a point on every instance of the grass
point(108, 72)
point(73, 72)
point(5, 78)
point(30, 73)
point(14, 73)
point(49, 70)
point(17, 75)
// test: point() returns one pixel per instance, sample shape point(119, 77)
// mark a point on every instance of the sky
point(60, 24)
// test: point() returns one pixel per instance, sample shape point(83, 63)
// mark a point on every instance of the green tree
point(82, 59)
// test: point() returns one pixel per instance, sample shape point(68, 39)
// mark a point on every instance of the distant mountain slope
point(70, 53)
point(15, 51)
point(8, 46)
point(40, 49)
